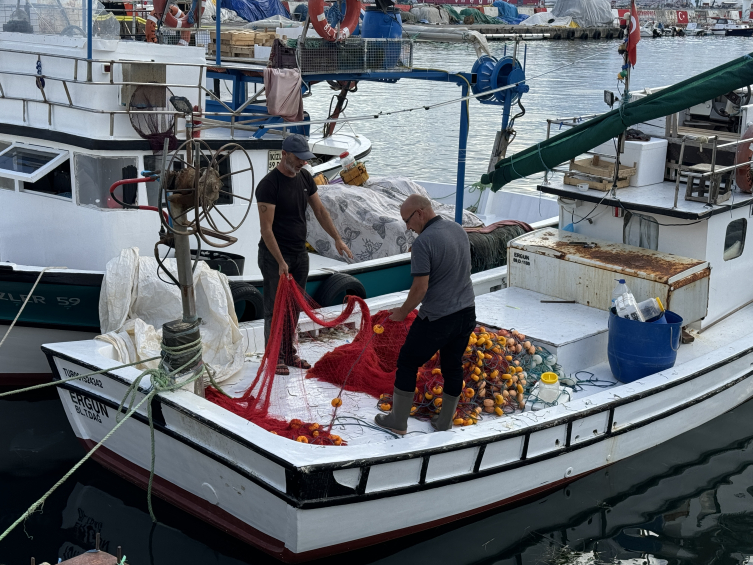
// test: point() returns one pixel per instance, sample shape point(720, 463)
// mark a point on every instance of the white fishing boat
point(81, 117)
point(298, 501)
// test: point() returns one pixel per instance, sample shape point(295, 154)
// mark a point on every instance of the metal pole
point(185, 277)
point(89, 33)
point(621, 138)
point(462, 144)
point(217, 25)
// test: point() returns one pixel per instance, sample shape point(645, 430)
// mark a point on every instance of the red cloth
point(634, 36)
point(491, 227)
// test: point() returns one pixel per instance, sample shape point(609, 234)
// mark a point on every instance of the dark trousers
point(449, 335)
point(298, 267)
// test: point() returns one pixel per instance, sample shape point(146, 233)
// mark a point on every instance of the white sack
point(368, 218)
point(134, 303)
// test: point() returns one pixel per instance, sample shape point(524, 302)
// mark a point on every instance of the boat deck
point(577, 334)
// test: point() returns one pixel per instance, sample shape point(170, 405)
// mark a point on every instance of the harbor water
point(688, 501)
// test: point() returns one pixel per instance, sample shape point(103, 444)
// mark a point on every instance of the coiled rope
point(161, 381)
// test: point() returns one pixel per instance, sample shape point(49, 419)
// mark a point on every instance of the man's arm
point(266, 217)
point(415, 296)
point(326, 222)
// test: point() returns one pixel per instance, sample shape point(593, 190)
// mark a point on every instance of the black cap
point(298, 146)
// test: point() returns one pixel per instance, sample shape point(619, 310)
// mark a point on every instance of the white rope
point(27, 300)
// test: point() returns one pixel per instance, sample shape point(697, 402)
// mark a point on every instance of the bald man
point(441, 270)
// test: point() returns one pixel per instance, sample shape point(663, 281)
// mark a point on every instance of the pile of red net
point(368, 363)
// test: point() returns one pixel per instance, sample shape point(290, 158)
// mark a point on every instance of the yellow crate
point(355, 176)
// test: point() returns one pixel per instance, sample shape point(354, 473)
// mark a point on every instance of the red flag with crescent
point(634, 36)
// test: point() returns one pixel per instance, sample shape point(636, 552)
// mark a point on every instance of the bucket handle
point(671, 332)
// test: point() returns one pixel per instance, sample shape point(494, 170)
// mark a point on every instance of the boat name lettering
point(88, 407)
point(67, 302)
point(521, 258)
point(34, 299)
point(91, 380)
point(273, 159)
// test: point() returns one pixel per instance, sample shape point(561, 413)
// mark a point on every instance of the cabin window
point(640, 231)
point(95, 175)
point(154, 162)
point(734, 241)
point(40, 169)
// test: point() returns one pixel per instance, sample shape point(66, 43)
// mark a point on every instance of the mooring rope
point(28, 296)
point(161, 380)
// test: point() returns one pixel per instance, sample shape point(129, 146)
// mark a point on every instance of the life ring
point(321, 25)
point(744, 175)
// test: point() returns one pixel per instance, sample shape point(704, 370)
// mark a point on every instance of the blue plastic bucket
point(382, 24)
point(638, 349)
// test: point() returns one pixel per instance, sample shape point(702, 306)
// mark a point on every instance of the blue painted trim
point(89, 31)
point(462, 152)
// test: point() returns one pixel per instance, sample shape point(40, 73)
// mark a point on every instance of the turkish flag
point(634, 36)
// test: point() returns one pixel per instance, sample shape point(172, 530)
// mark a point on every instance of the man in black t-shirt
point(283, 196)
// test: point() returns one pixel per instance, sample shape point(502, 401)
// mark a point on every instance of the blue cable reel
point(492, 73)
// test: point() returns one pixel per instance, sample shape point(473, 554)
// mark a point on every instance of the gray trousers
point(298, 267)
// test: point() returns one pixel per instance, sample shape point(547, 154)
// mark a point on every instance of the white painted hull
point(298, 501)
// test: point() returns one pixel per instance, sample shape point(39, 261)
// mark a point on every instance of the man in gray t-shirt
point(441, 270)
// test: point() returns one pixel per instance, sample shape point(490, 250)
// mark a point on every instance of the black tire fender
point(248, 301)
point(336, 287)
point(596, 35)
point(571, 34)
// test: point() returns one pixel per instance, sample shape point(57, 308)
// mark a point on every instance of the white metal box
point(572, 266)
point(649, 157)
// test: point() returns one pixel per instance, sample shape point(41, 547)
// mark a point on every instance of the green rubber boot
point(443, 421)
point(397, 420)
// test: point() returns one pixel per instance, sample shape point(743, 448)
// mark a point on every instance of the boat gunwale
point(426, 453)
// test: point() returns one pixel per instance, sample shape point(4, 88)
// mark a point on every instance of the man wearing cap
point(283, 196)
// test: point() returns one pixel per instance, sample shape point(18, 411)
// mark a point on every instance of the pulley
point(492, 74)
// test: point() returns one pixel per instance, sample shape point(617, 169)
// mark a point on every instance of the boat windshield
point(57, 17)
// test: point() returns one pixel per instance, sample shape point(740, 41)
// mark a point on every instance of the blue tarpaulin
point(506, 10)
point(255, 10)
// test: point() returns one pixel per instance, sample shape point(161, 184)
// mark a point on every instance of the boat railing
point(240, 118)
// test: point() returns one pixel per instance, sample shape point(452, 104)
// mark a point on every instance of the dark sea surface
point(689, 500)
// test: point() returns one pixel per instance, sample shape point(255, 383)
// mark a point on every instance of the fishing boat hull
point(299, 502)
point(743, 32)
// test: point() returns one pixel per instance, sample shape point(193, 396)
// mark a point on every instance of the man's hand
point(283, 268)
point(342, 249)
point(398, 314)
